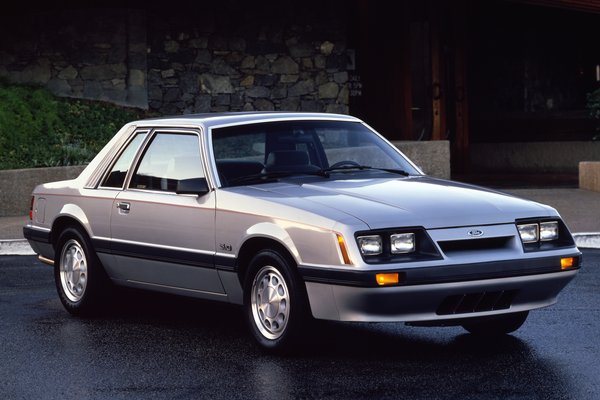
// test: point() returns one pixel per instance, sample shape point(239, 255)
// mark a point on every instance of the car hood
point(414, 201)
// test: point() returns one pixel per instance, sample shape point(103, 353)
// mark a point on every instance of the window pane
point(117, 174)
point(299, 147)
point(341, 144)
point(171, 157)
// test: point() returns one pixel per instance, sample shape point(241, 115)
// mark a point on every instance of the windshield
point(265, 152)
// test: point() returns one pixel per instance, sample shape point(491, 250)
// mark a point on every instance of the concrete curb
point(20, 247)
point(587, 240)
point(15, 247)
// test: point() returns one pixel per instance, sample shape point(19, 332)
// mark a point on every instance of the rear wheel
point(496, 325)
point(81, 282)
point(274, 301)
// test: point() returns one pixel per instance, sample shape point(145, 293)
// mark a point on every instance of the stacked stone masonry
point(183, 62)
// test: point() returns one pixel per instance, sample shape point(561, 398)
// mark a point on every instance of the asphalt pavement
point(153, 346)
point(579, 208)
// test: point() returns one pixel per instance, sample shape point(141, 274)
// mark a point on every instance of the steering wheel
point(342, 163)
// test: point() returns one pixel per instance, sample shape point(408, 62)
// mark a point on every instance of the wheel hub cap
point(270, 302)
point(73, 270)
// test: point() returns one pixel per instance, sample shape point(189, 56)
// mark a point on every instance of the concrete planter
point(562, 157)
point(16, 186)
point(433, 157)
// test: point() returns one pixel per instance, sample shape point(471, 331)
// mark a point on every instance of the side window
point(116, 177)
point(169, 158)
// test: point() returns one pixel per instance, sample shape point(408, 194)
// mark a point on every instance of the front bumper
point(438, 293)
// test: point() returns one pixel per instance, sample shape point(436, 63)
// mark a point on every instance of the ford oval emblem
point(475, 233)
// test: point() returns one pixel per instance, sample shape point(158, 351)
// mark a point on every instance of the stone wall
point(198, 59)
point(89, 54)
point(241, 60)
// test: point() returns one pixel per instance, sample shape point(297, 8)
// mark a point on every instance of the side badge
point(475, 233)
point(225, 247)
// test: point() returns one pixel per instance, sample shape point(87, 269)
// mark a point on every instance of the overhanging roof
point(590, 6)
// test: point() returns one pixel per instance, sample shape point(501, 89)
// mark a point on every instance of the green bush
point(38, 129)
point(593, 104)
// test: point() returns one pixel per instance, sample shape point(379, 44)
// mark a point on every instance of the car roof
point(226, 118)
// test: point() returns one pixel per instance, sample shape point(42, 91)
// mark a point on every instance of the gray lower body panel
point(422, 302)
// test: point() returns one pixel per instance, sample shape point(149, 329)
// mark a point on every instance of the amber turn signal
point(343, 249)
point(566, 263)
point(387, 279)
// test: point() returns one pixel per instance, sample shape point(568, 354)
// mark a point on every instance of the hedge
point(38, 129)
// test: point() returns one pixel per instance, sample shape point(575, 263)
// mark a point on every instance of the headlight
point(539, 232)
point(370, 245)
point(529, 232)
point(396, 245)
point(543, 234)
point(402, 243)
point(548, 231)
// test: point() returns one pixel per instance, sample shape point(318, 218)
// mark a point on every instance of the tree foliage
point(593, 104)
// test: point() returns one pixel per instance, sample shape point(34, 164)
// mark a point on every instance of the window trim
point(117, 155)
point(145, 146)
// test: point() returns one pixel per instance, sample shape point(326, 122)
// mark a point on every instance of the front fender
point(307, 244)
point(269, 230)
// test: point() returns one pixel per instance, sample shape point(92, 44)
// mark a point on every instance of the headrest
point(282, 158)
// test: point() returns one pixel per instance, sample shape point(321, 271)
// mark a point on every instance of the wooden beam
point(438, 108)
point(461, 138)
point(405, 78)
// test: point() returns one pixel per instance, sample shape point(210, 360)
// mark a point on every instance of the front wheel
point(81, 282)
point(496, 325)
point(274, 301)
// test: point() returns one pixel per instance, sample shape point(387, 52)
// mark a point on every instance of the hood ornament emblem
point(475, 233)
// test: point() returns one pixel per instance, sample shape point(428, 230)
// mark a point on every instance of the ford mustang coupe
point(296, 217)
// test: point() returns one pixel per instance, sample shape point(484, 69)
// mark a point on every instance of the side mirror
point(197, 186)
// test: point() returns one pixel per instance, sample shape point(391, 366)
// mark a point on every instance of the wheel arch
point(254, 245)
point(61, 223)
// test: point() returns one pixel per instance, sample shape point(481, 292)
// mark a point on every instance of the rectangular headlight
point(370, 245)
point(402, 243)
point(529, 232)
point(548, 231)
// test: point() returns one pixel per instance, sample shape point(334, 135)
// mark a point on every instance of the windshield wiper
point(265, 177)
point(365, 167)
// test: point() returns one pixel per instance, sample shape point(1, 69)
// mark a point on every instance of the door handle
point(124, 206)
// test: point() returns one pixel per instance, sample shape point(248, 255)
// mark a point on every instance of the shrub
point(38, 129)
point(593, 104)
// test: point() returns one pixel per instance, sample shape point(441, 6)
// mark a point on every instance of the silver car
point(296, 217)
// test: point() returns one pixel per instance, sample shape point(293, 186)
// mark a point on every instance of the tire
point(81, 282)
point(275, 302)
point(496, 325)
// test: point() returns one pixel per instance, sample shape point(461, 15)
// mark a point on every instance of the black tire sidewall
point(298, 302)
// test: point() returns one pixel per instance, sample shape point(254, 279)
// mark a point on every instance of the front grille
point(449, 246)
point(476, 302)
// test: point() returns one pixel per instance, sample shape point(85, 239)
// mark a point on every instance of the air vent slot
point(476, 302)
point(450, 246)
